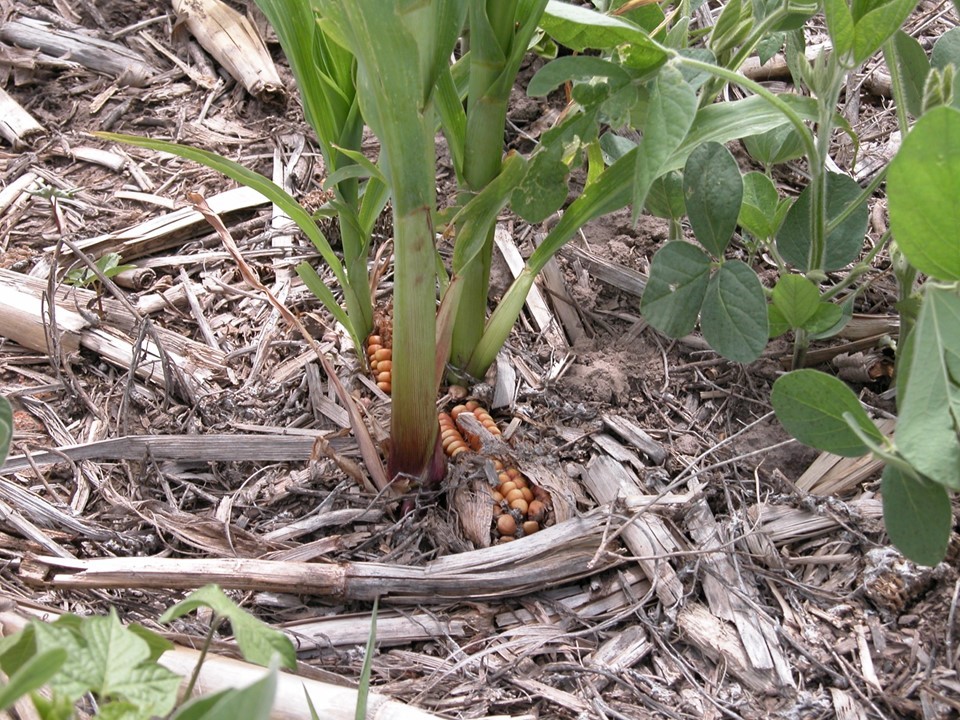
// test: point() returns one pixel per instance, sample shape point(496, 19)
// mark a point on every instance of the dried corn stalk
point(233, 42)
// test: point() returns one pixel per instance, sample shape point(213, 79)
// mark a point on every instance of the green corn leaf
point(453, 118)
point(917, 515)
point(713, 193)
point(811, 406)
point(679, 275)
point(251, 179)
point(363, 691)
point(923, 184)
point(843, 243)
point(323, 70)
point(477, 216)
point(734, 314)
point(6, 428)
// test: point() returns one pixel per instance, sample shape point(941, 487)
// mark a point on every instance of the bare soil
point(787, 599)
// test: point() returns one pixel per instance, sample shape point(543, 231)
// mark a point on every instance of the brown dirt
point(856, 625)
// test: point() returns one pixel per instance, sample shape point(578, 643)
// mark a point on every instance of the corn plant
point(388, 65)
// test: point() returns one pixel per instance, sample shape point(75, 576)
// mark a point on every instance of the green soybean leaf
point(258, 642)
point(679, 275)
point(713, 192)
point(826, 321)
point(575, 67)
point(580, 28)
point(946, 49)
point(914, 67)
point(923, 184)
point(929, 422)
point(734, 315)
point(843, 244)
point(778, 323)
point(759, 208)
point(672, 106)
point(879, 23)
point(770, 46)
point(811, 406)
point(665, 199)
point(726, 121)
point(31, 675)
point(917, 515)
point(778, 145)
point(839, 25)
point(732, 27)
point(544, 188)
point(797, 299)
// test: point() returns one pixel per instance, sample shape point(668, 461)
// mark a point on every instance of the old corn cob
point(520, 507)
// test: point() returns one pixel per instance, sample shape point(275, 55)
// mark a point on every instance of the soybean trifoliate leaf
point(826, 321)
point(665, 199)
point(258, 642)
point(946, 49)
point(580, 28)
point(778, 323)
point(929, 422)
point(877, 24)
point(923, 185)
point(914, 66)
point(575, 67)
point(769, 46)
point(544, 188)
point(712, 191)
point(679, 275)
point(839, 25)
point(759, 207)
point(811, 406)
point(31, 675)
point(797, 298)
point(779, 145)
point(734, 315)
point(843, 244)
point(671, 108)
point(917, 515)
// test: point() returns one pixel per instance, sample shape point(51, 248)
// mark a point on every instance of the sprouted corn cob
point(520, 507)
point(380, 357)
